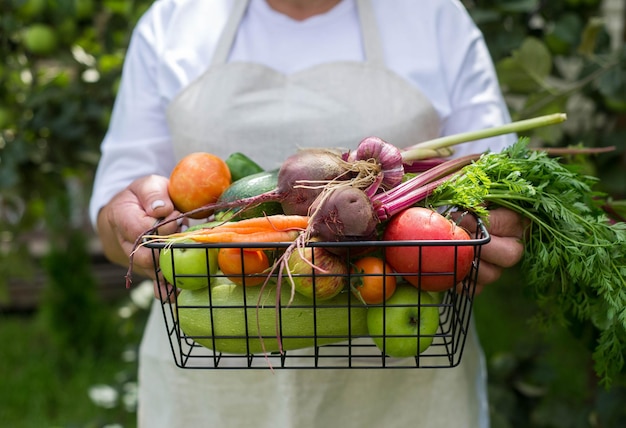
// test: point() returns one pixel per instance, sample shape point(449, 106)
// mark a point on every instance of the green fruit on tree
point(405, 325)
point(32, 8)
point(188, 268)
point(234, 324)
point(6, 117)
point(84, 8)
point(40, 39)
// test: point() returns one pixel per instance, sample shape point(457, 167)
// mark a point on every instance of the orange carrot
point(221, 229)
point(275, 228)
point(276, 222)
point(231, 236)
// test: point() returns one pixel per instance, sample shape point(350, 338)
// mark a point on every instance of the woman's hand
point(505, 249)
point(129, 215)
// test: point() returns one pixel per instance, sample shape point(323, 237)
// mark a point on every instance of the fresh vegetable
point(316, 273)
point(308, 172)
point(421, 150)
point(275, 228)
point(300, 179)
point(438, 267)
point(197, 180)
point(405, 325)
point(246, 187)
point(388, 156)
point(311, 172)
point(575, 258)
point(235, 236)
point(241, 166)
point(244, 320)
point(343, 213)
point(303, 175)
point(243, 266)
point(372, 280)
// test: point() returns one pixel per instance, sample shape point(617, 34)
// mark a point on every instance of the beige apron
point(268, 115)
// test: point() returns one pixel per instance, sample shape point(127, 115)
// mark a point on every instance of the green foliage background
point(61, 62)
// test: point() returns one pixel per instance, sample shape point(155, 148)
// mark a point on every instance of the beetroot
point(343, 213)
point(302, 178)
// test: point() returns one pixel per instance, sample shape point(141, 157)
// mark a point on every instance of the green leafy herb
point(575, 257)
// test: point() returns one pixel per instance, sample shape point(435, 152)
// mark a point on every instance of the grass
point(44, 387)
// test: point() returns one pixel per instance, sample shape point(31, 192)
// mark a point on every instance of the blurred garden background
point(69, 330)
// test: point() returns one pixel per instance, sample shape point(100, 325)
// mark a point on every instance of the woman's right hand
point(131, 213)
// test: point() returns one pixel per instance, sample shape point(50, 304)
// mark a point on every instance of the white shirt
point(433, 44)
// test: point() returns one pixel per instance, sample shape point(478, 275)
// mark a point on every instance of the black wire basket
point(222, 325)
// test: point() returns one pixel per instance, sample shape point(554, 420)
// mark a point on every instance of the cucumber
point(251, 185)
point(232, 323)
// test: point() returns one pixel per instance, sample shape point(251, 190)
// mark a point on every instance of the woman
point(265, 77)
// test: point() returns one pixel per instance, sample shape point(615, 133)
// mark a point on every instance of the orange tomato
point(372, 280)
point(243, 266)
point(198, 179)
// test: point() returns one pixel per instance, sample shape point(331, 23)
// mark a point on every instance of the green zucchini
point(235, 329)
point(251, 185)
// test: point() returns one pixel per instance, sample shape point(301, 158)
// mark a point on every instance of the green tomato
point(188, 268)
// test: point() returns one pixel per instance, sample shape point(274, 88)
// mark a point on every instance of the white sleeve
point(137, 142)
point(475, 97)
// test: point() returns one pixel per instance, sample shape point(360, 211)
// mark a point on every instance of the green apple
point(192, 265)
point(406, 321)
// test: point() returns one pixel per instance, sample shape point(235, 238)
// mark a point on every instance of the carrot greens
point(575, 257)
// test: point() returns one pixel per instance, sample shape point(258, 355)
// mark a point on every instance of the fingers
point(163, 291)
point(152, 195)
point(504, 222)
point(131, 214)
point(501, 222)
point(153, 200)
point(505, 248)
point(502, 251)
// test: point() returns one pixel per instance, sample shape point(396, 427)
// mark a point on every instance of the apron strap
point(369, 30)
point(225, 43)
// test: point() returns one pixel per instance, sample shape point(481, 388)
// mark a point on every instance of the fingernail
point(179, 221)
point(157, 204)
